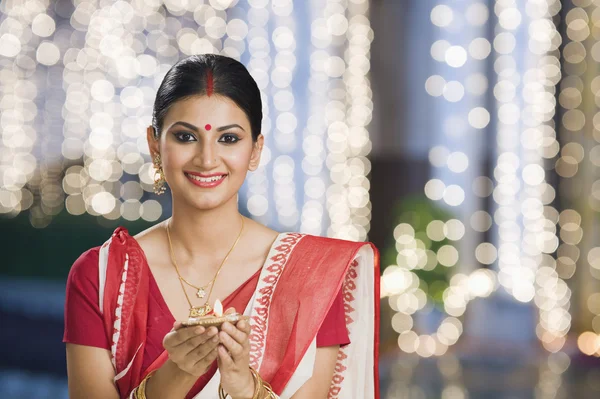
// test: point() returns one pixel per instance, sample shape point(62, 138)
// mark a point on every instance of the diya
point(215, 318)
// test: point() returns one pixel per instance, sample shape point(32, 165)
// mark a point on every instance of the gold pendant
point(201, 293)
point(199, 311)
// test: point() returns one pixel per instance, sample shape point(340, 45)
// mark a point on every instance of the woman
point(312, 301)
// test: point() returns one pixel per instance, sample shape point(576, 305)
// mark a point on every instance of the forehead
point(199, 110)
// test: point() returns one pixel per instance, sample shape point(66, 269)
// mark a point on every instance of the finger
point(179, 336)
point(201, 351)
point(234, 332)
point(224, 358)
point(188, 339)
point(194, 342)
point(230, 310)
point(208, 358)
point(236, 349)
point(176, 338)
point(244, 326)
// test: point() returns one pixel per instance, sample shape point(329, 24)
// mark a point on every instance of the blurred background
point(460, 136)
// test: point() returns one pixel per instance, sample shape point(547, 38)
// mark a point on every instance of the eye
point(229, 139)
point(184, 137)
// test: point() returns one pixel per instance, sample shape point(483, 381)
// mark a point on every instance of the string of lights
point(577, 167)
point(348, 112)
point(258, 66)
point(454, 163)
point(534, 246)
point(110, 58)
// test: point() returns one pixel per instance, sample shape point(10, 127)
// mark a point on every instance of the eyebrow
point(195, 129)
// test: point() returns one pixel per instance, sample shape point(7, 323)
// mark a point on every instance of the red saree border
point(340, 365)
point(259, 316)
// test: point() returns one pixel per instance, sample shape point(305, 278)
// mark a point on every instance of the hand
point(192, 349)
point(234, 359)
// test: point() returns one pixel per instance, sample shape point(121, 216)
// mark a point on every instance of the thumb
point(230, 310)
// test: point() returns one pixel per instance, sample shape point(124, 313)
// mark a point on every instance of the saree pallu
point(297, 285)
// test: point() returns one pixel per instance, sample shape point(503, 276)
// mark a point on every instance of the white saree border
point(102, 266)
point(354, 371)
point(258, 308)
point(102, 272)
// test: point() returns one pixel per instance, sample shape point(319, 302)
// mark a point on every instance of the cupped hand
point(234, 359)
point(192, 349)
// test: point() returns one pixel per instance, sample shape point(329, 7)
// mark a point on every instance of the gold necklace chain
point(198, 311)
point(200, 291)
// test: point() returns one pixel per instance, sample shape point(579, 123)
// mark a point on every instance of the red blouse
point(84, 322)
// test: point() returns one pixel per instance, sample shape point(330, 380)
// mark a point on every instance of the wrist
point(248, 391)
point(178, 372)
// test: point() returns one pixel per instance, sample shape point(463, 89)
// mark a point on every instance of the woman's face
point(206, 149)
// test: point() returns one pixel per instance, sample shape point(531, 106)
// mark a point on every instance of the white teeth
point(206, 179)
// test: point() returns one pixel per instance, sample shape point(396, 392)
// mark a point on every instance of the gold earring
point(159, 176)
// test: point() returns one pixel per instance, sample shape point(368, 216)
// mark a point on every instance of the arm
point(91, 373)
point(89, 368)
point(318, 385)
point(191, 352)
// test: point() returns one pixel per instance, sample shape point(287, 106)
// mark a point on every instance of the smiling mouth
point(211, 179)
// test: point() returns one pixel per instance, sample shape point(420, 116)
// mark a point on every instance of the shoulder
point(84, 272)
point(328, 242)
point(152, 241)
point(328, 249)
point(257, 229)
point(86, 263)
point(151, 232)
point(86, 267)
point(262, 237)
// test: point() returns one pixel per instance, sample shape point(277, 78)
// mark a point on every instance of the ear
point(153, 141)
point(256, 152)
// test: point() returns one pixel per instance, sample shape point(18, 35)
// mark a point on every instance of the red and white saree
point(297, 285)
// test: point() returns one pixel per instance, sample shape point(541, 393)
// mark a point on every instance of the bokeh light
point(99, 65)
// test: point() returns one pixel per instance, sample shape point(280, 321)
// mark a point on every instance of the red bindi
point(207, 127)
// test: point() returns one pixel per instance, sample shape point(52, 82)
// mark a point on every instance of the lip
point(205, 175)
point(205, 184)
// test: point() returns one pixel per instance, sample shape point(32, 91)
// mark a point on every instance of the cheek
point(175, 157)
point(238, 160)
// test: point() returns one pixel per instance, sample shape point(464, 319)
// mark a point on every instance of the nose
point(207, 156)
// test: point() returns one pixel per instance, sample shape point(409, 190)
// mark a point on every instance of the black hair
point(209, 74)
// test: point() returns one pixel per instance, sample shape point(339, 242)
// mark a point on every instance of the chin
point(204, 205)
point(204, 201)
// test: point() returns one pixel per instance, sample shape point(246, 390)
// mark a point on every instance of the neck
point(206, 232)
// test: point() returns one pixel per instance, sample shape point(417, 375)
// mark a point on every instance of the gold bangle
point(269, 390)
point(258, 383)
point(258, 386)
point(140, 391)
